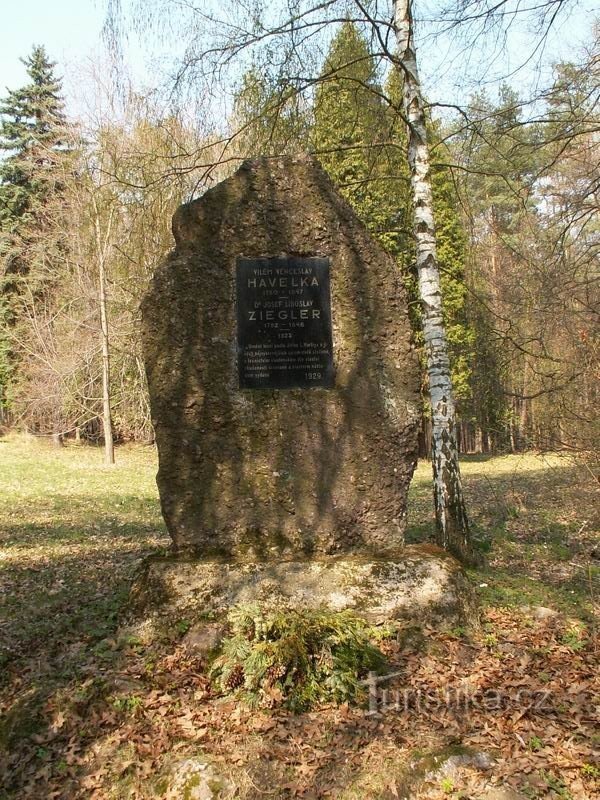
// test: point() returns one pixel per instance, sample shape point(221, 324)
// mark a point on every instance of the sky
point(71, 31)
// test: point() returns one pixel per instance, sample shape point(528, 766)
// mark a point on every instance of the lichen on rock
point(421, 584)
point(198, 779)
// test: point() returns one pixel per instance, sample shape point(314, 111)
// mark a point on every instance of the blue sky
point(69, 29)
point(71, 32)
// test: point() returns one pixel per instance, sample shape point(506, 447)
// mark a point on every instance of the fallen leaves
point(90, 716)
point(537, 744)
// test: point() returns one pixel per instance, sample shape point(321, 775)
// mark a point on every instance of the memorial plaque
point(284, 323)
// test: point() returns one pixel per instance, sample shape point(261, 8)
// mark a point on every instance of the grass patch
point(71, 532)
point(535, 517)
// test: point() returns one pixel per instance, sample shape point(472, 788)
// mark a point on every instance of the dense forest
point(85, 215)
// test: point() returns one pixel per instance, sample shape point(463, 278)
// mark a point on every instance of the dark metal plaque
point(284, 323)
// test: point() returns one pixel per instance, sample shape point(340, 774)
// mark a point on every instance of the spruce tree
point(33, 136)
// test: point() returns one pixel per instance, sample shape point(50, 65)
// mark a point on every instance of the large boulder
point(265, 474)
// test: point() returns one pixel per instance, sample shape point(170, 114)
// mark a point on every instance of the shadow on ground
point(82, 707)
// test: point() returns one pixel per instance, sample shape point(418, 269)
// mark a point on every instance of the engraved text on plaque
point(284, 323)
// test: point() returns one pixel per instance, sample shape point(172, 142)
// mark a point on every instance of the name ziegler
point(284, 314)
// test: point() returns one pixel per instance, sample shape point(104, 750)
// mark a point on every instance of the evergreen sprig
point(299, 659)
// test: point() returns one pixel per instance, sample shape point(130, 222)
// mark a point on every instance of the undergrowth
point(297, 659)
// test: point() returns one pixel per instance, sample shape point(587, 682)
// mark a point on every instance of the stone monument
point(284, 392)
point(283, 379)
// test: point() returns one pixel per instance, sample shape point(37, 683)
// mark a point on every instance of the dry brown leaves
point(517, 692)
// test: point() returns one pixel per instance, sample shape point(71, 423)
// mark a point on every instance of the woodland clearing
point(88, 713)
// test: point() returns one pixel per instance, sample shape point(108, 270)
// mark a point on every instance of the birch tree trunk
point(451, 518)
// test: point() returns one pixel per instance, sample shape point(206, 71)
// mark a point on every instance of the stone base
point(422, 584)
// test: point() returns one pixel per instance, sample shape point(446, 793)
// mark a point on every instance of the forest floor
point(88, 713)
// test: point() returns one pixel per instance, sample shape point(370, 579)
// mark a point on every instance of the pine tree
point(504, 161)
point(33, 136)
point(503, 157)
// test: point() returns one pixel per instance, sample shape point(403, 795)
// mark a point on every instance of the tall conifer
point(32, 134)
point(359, 139)
point(33, 146)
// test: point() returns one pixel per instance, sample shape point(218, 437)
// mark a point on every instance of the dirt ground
point(89, 713)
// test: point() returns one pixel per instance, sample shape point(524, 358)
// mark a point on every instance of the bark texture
point(453, 529)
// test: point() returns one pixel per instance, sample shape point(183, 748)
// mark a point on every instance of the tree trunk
point(109, 450)
point(478, 440)
point(524, 414)
point(452, 524)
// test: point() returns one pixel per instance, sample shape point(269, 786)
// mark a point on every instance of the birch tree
point(451, 517)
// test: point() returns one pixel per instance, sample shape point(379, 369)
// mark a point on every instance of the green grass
point(67, 494)
point(71, 532)
point(536, 519)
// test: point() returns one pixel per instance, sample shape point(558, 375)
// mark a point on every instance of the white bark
point(451, 518)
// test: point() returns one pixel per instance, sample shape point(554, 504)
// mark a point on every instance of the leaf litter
point(88, 714)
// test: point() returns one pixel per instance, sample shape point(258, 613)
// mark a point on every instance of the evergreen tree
point(503, 158)
point(33, 137)
point(348, 118)
point(32, 133)
point(452, 250)
point(359, 137)
point(360, 141)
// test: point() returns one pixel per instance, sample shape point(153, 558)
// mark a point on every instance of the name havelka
point(283, 309)
point(283, 282)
